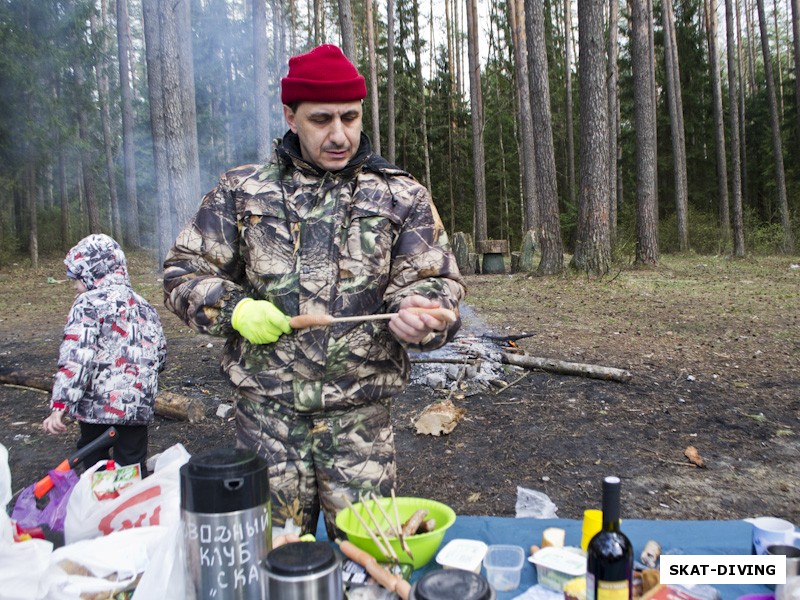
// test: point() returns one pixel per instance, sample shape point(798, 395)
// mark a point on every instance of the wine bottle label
point(607, 590)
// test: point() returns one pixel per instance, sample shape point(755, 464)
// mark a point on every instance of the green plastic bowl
point(423, 546)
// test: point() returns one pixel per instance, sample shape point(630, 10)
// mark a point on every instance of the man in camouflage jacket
point(326, 227)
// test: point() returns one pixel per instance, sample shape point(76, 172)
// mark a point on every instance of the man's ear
point(289, 115)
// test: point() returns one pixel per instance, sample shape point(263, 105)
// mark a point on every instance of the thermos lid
point(224, 480)
point(452, 584)
point(300, 559)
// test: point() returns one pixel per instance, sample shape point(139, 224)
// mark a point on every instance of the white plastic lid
point(571, 562)
point(462, 554)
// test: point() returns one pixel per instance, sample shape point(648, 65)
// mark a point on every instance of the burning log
point(168, 404)
point(567, 368)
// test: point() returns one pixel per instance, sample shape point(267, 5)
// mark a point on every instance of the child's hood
point(98, 260)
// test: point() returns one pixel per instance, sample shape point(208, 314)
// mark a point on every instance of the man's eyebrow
point(328, 114)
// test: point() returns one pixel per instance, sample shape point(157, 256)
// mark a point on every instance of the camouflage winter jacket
point(353, 242)
point(113, 346)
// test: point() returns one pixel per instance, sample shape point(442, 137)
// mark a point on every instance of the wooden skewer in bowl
point(304, 321)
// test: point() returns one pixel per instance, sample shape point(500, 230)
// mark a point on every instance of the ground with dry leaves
point(713, 346)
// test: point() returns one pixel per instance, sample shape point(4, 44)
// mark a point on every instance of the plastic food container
point(503, 564)
point(462, 554)
point(556, 566)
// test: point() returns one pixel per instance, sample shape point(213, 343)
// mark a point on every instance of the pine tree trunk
point(33, 228)
point(476, 108)
point(644, 125)
point(676, 123)
point(613, 115)
point(519, 23)
point(742, 107)
point(87, 153)
point(421, 85)
point(719, 125)
point(373, 80)
point(101, 70)
point(167, 224)
point(733, 92)
point(552, 261)
point(796, 44)
point(132, 237)
point(346, 27)
point(261, 80)
point(593, 241)
point(390, 129)
point(568, 99)
point(777, 146)
point(778, 60)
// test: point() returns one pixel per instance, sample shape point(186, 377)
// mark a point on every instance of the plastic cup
point(503, 564)
point(592, 523)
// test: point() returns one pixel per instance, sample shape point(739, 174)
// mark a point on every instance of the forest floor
point(713, 346)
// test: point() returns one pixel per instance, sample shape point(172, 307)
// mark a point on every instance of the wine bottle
point(609, 567)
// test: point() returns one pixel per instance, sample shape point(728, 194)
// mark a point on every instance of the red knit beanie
point(322, 75)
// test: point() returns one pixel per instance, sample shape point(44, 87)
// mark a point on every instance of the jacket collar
point(288, 151)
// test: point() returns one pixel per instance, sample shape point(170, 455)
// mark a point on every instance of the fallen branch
point(566, 368)
point(168, 404)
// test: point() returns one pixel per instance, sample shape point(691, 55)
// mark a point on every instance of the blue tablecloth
point(675, 537)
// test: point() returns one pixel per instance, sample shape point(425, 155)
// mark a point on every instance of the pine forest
point(596, 132)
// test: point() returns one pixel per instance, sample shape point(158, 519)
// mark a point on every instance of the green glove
point(259, 321)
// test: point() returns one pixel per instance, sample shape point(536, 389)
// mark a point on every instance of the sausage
point(410, 527)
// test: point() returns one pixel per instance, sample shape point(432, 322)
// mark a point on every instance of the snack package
point(107, 484)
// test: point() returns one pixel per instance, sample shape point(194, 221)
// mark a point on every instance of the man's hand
point(416, 328)
point(259, 321)
point(55, 423)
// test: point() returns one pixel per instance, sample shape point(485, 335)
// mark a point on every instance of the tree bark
point(261, 80)
point(519, 25)
point(592, 239)
point(132, 237)
point(733, 116)
point(167, 224)
point(567, 368)
point(549, 235)
point(645, 126)
point(613, 116)
point(676, 123)
point(719, 124)
point(390, 128)
point(346, 26)
point(101, 70)
point(476, 109)
point(777, 145)
point(568, 100)
point(374, 96)
point(796, 44)
point(86, 151)
point(426, 155)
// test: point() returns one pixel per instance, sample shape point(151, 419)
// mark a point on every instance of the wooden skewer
point(400, 528)
point(304, 321)
point(390, 581)
point(375, 540)
point(380, 531)
point(397, 529)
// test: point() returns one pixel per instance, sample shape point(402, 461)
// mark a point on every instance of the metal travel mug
point(303, 571)
point(226, 513)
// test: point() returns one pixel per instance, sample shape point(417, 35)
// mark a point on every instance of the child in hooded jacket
point(112, 351)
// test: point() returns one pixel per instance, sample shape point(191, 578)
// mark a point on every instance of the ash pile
point(471, 363)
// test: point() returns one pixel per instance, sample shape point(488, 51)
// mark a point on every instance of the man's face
point(329, 132)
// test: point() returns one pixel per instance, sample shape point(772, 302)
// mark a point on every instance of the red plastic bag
point(51, 509)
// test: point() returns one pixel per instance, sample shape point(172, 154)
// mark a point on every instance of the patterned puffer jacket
point(113, 346)
point(353, 242)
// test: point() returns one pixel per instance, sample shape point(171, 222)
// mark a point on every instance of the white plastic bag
point(165, 576)
point(154, 500)
point(22, 564)
point(106, 564)
point(531, 503)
